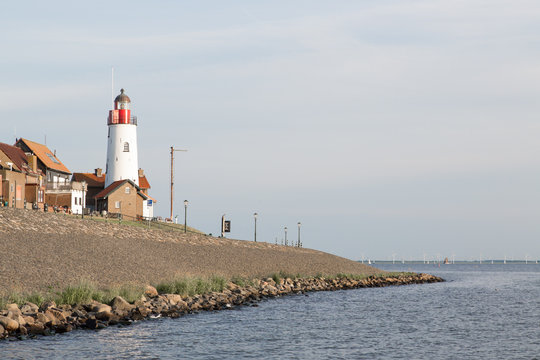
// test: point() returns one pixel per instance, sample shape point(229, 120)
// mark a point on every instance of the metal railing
point(150, 223)
point(116, 120)
point(58, 186)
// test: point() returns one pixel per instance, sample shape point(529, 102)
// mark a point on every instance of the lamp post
point(298, 243)
point(185, 215)
point(255, 217)
point(285, 236)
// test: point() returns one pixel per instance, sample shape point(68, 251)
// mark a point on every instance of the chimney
point(32, 162)
point(98, 172)
point(141, 173)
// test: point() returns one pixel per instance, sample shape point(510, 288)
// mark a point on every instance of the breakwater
point(30, 320)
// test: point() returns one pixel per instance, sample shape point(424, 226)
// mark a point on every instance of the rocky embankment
point(30, 320)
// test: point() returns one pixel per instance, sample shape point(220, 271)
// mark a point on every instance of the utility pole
point(172, 177)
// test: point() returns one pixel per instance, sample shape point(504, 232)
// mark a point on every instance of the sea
point(481, 311)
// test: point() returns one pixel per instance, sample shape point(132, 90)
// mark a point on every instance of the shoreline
point(30, 321)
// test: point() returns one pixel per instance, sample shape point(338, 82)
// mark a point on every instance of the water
point(482, 311)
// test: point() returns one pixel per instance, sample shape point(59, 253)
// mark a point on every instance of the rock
point(101, 307)
point(120, 304)
point(55, 316)
point(23, 330)
point(29, 319)
point(2, 330)
point(63, 328)
point(173, 299)
point(13, 308)
point(46, 305)
point(139, 313)
point(17, 318)
point(9, 324)
point(106, 316)
point(91, 324)
point(36, 328)
point(42, 318)
point(150, 291)
point(29, 308)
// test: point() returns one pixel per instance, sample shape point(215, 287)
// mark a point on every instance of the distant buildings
point(32, 176)
point(21, 182)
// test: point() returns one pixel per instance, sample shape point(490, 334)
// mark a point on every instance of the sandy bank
point(42, 251)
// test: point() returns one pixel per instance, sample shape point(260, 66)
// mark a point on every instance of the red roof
point(45, 155)
point(115, 185)
point(99, 181)
point(16, 155)
point(109, 189)
point(143, 183)
point(91, 179)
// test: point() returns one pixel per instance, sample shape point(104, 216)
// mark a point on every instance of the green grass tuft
point(188, 286)
point(82, 293)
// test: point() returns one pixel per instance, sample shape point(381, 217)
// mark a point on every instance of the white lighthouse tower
point(122, 160)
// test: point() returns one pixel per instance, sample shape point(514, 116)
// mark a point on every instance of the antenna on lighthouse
point(112, 87)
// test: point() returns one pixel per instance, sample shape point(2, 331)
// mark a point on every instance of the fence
point(140, 221)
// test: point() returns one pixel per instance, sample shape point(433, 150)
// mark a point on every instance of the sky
point(387, 128)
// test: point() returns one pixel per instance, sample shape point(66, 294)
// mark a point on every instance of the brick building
point(21, 182)
point(122, 197)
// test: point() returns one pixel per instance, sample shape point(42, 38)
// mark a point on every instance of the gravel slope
point(42, 251)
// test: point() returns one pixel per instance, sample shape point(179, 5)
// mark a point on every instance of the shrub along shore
point(85, 307)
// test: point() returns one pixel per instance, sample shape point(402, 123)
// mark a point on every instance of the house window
point(127, 190)
point(126, 147)
point(53, 158)
point(117, 204)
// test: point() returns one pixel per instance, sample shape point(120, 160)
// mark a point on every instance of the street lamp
point(255, 217)
point(285, 236)
point(298, 243)
point(185, 215)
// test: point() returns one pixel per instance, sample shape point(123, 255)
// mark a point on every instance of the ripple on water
point(490, 311)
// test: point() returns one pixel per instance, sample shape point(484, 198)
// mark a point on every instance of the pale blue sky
point(385, 127)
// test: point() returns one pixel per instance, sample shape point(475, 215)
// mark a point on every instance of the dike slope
point(43, 251)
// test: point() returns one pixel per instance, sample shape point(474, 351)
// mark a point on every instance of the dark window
point(126, 147)
point(53, 158)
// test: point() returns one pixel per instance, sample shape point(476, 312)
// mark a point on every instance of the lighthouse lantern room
point(122, 161)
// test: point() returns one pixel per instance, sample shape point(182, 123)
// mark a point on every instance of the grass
point(284, 275)
point(242, 281)
point(190, 286)
point(143, 224)
point(86, 291)
point(81, 293)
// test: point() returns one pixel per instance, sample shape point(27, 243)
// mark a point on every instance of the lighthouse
point(122, 161)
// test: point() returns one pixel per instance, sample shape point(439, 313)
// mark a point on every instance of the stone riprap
point(29, 320)
point(45, 252)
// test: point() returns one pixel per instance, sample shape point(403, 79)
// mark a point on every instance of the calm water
point(483, 311)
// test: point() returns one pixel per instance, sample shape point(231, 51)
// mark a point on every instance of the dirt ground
point(41, 251)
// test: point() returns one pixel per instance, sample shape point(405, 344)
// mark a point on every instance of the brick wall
point(127, 202)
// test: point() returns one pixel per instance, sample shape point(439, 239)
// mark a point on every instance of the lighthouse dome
point(122, 98)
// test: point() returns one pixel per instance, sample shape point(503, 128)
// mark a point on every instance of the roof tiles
point(46, 156)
